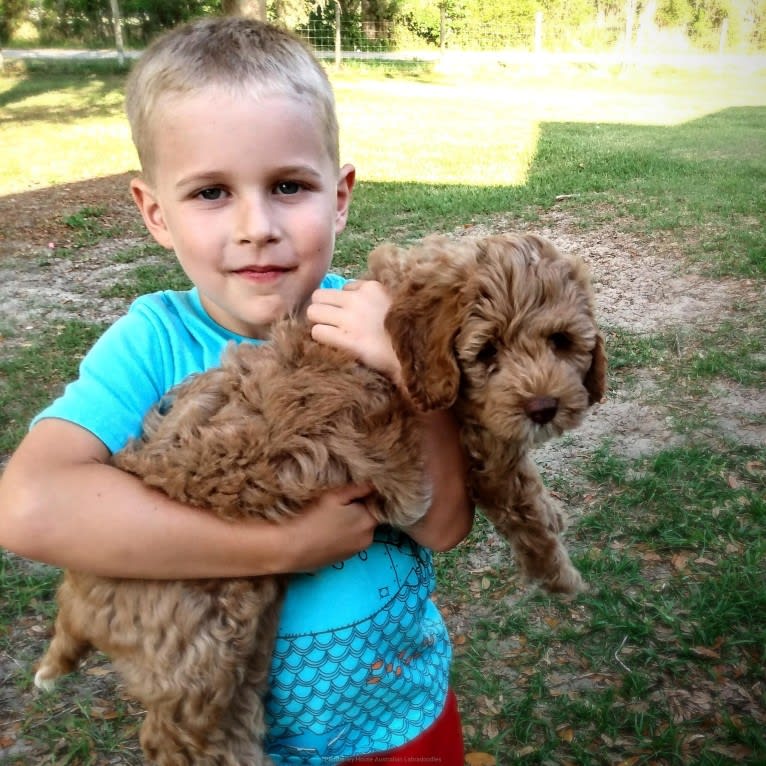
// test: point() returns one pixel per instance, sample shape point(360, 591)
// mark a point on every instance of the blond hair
point(247, 56)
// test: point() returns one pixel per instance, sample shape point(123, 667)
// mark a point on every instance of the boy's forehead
point(216, 96)
point(207, 113)
point(222, 103)
point(256, 93)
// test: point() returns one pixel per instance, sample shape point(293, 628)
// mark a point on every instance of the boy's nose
point(255, 222)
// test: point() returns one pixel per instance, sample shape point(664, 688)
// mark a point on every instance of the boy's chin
point(254, 319)
point(263, 321)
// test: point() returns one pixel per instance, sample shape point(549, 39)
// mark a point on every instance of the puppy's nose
point(541, 409)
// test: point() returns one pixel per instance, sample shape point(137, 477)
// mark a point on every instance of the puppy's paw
point(45, 678)
point(565, 580)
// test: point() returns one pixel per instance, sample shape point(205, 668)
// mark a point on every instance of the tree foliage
point(89, 22)
point(12, 13)
point(383, 24)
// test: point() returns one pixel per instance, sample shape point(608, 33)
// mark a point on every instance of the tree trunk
point(117, 24)
point(253, 9)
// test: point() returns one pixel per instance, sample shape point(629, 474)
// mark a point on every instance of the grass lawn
point(661, 660)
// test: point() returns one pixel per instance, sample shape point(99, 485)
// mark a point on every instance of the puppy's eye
point(487, 354)
point(561, 341)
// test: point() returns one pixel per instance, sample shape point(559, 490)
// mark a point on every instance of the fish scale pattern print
point(374, 680)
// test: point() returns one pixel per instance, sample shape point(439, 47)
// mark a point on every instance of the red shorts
point(441, 744)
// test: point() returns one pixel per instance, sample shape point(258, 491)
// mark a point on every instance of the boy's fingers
point(353, 493)
point(329, 335)
point(325, 313)
point(336, 297)
point(328, 298)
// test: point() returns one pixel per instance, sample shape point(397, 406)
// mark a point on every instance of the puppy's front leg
point(531, 520)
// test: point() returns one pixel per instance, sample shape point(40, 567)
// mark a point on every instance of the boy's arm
point(62, 502)
point(450, 516)
point(352, 318)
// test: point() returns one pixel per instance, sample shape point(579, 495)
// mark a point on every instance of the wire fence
point(373, 36)
point(538, 43)
point(541, 46)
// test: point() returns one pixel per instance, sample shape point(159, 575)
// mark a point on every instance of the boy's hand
point(352, 319)
point(334, 528)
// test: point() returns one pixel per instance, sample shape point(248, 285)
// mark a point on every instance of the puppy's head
point(503, 328)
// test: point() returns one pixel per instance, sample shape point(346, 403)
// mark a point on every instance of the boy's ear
point(151, 212)
point(346, 180)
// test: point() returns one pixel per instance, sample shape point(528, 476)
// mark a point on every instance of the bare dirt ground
point(641, 286)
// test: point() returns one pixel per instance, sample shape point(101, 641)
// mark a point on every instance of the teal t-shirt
point(362, 657)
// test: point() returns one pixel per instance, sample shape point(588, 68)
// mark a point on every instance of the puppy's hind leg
point(185, 728)
point(197, 715)
point(67, 648)
point(244, 730)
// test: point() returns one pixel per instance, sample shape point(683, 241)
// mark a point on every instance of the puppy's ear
point(428, 285)
point(595, 378)
point(423, 323)
point(387, 264)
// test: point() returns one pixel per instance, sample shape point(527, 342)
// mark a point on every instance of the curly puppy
point(501, 330)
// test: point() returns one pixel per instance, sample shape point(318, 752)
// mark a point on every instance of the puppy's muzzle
point(541, 409)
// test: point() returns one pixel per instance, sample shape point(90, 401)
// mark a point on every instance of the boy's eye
point(213, 194)
point(288, 187)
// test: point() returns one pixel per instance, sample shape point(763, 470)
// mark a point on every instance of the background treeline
point(370, 25)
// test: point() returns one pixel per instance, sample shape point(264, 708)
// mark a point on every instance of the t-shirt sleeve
point(120, 378)
point(333, 282)
point(162, 339)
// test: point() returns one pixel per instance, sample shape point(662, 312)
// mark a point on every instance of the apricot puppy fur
point(501, 329)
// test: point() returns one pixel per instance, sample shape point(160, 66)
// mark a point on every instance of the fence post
point(724, 35)
point(538, 31)
point(442, 26)
point(338, 54)
point(630, 10)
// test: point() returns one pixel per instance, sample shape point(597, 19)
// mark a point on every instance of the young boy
point(234, 123)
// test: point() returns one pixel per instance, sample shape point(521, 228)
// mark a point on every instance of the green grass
point(78, 111)
point(31, 376)
point(624, 175)
point(79, 732)
point(646, 172)
point(674, 552)
point(146, 278)
point(661, 660)
point(29, 589)
point(89, 227)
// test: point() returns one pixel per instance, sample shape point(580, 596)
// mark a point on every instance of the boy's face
point(247, 196)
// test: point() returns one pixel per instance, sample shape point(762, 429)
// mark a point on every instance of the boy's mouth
point(262, 273)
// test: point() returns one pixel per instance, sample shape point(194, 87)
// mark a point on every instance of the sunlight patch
point(431, 134)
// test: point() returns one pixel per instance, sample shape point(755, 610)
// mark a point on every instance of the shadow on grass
point(707, 180)
point(38, 217)
point(702, 182)
point(94, 82)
